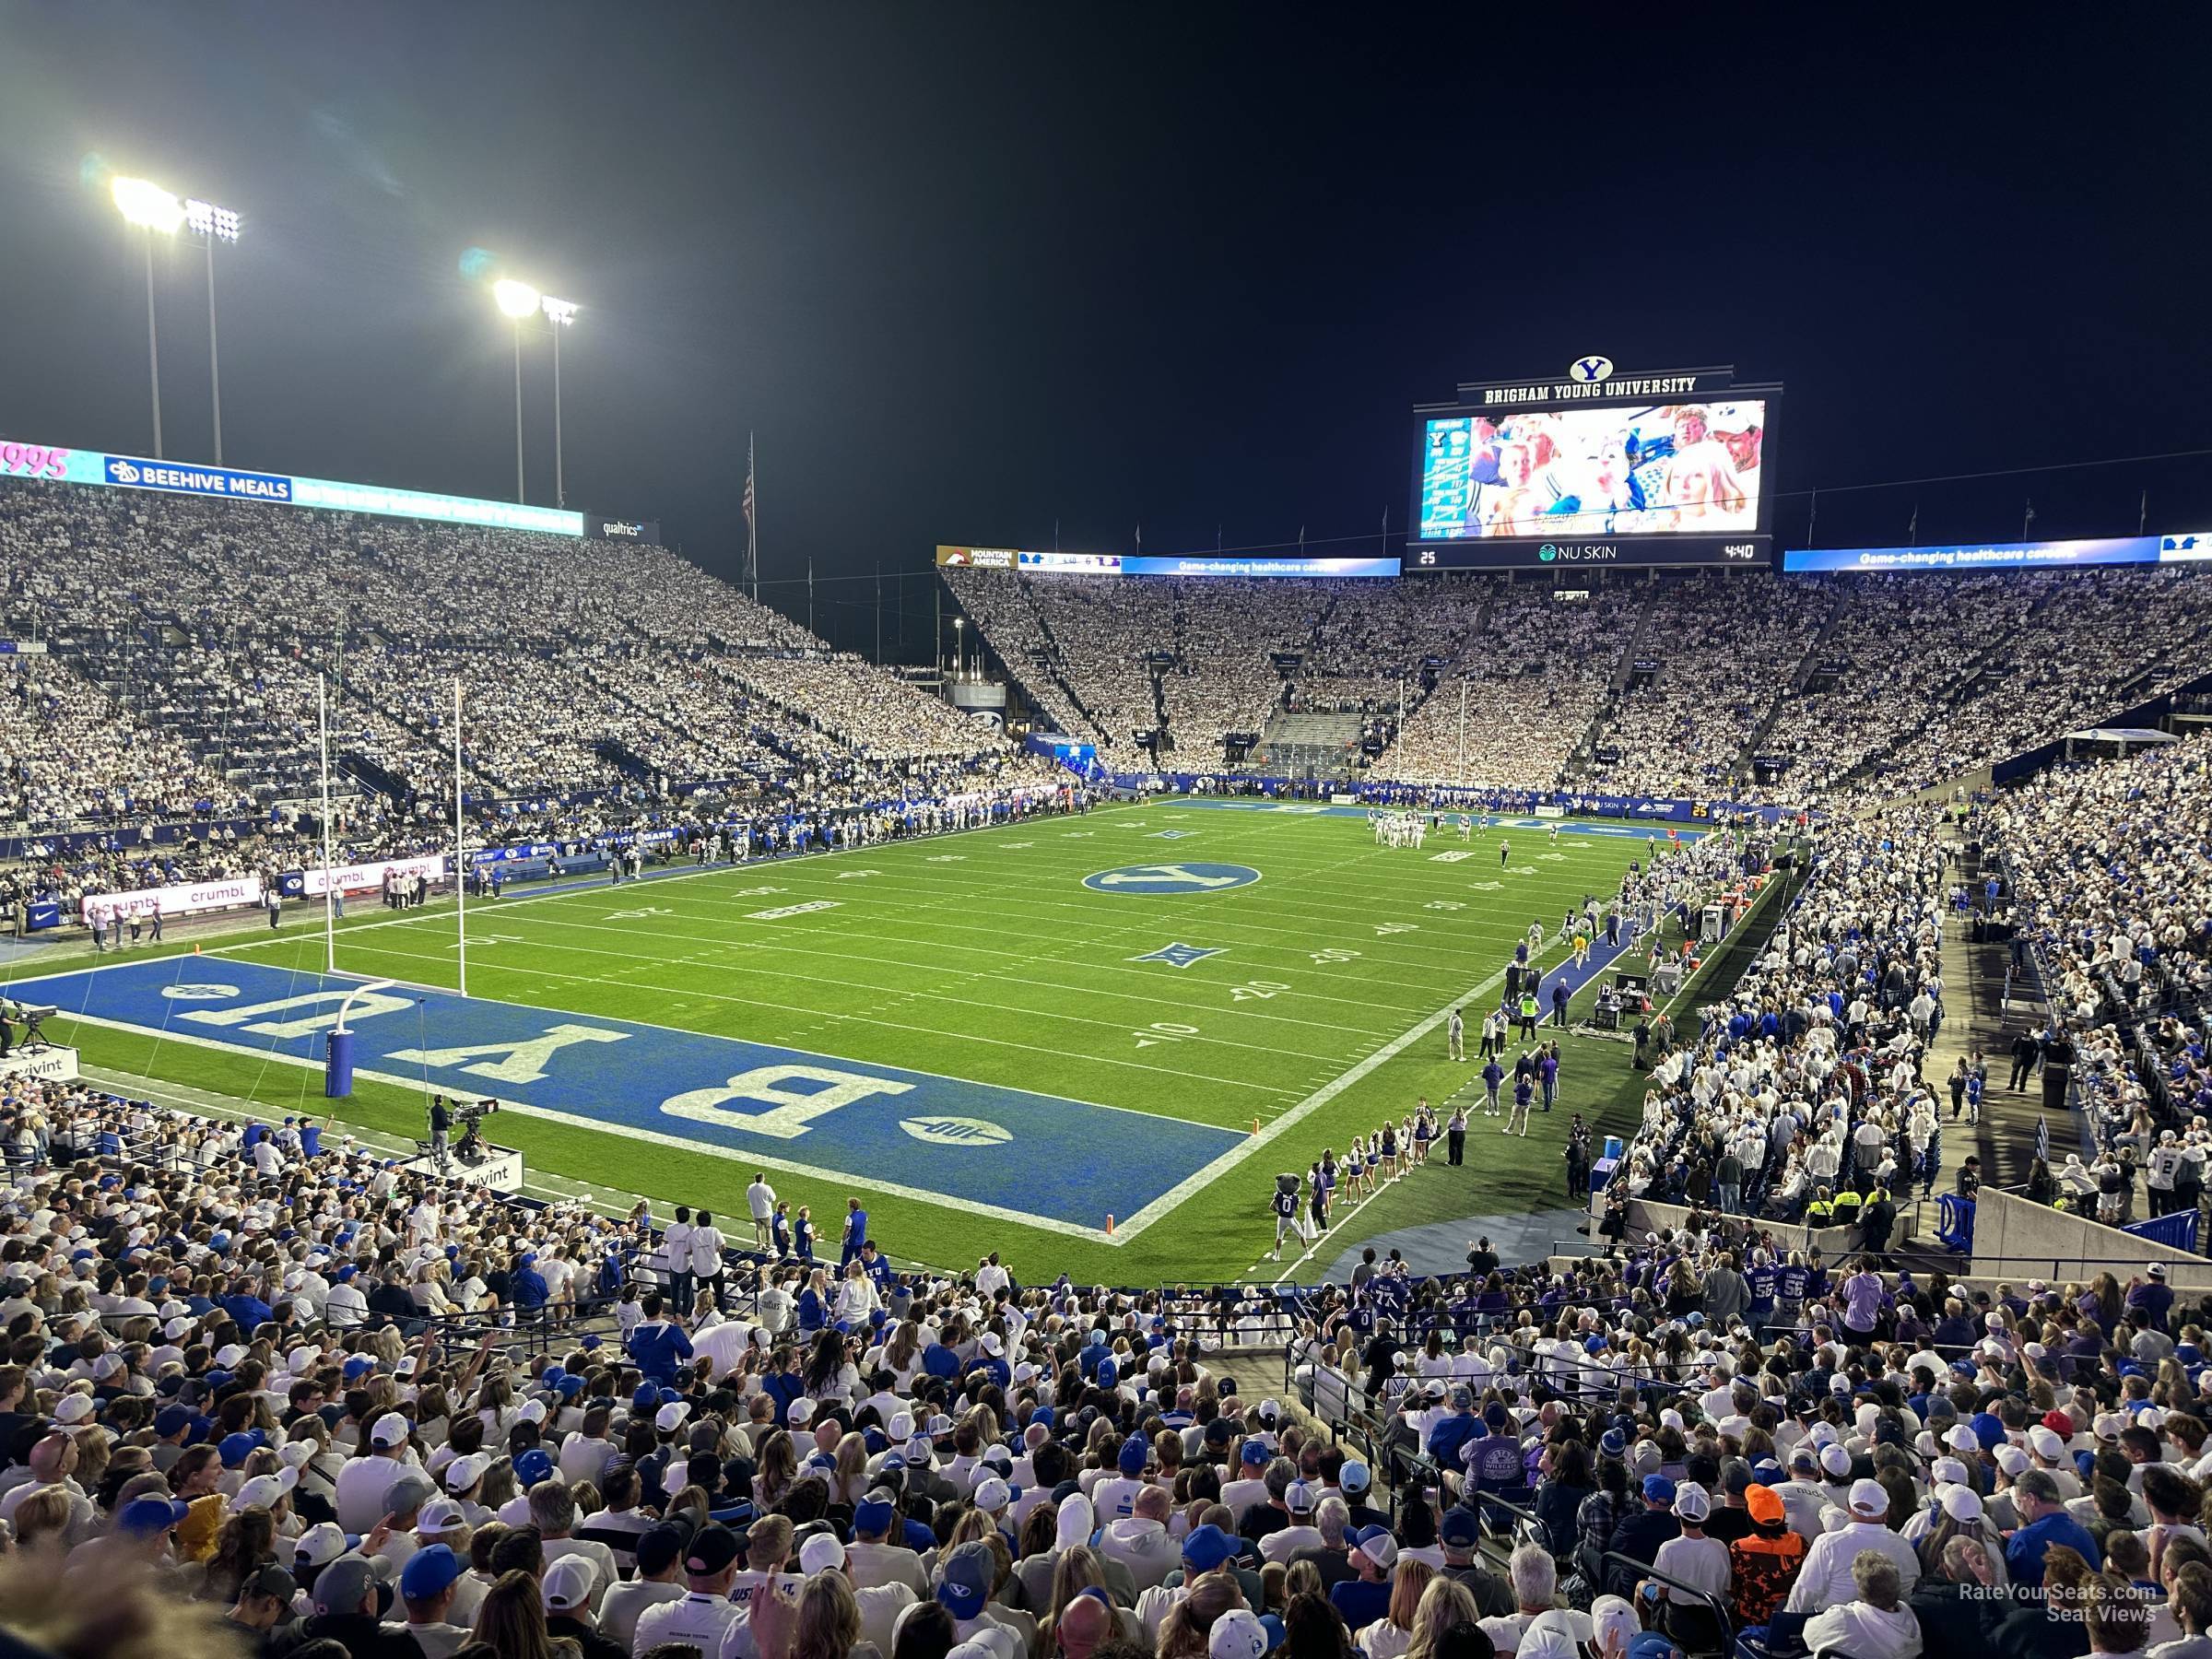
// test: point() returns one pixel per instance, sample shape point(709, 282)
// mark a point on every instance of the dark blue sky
point(968, 269)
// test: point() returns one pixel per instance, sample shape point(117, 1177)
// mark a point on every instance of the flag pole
point(460, 851)
point(330, 926)
point(752, 513)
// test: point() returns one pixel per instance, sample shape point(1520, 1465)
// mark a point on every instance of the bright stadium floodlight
point(562, 312)
point(147, 206)
point(205, 218)
point(518, 300)
point(154, 211)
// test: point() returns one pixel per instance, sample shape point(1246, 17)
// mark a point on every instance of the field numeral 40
point(1256, 990)
point(1164, 1031)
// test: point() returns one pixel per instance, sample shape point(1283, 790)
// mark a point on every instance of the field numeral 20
point(1164, 1031)
point(1252, 990)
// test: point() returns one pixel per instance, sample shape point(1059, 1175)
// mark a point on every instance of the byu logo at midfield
point(1178, 955)
point(198, 993)
point(1150, 880)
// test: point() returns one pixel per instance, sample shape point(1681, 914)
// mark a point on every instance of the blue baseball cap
point(1459, 1528)
point(967, 1583)
point(1134, 1455)
point(143, 1517)
point(533, 1467)
point(1254, 1454)
point(1658, 1488)
point(1206, 1548)
point(872, 1515)
point(429, 1571)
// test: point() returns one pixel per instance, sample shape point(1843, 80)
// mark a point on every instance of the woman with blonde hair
point(43, 1519)
point(827, 1622)
point(1444, 1604)
point(849, 1477)
point(1390, 1636)
point(1183, 1634)
point(512, 1622)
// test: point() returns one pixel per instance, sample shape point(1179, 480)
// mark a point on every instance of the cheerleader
point(1424, 1130)
point(1390, 1151)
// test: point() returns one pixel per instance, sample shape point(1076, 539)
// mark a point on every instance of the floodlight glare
point(206, 219)
point(518, 300)
point(562, 312)
point(147, 206)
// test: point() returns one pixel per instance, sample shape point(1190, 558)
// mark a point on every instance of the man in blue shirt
point(856, 1232)
point(1452, 1433)
point(2043, 1521)
point(658, 1345)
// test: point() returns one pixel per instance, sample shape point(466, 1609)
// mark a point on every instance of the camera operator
point(441, 1120)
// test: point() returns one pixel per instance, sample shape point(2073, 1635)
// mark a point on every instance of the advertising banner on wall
point(193, 898)
point(369, 878)
point(57, 465)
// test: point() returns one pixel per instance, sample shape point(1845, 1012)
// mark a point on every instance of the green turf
point(982, 956)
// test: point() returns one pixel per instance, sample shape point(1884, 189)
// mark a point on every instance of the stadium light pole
point(959, 648)
point(516, 301)
point(212, 224)
point(157, 213)
point(560, 313)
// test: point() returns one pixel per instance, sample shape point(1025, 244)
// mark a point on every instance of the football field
point(997, 1040)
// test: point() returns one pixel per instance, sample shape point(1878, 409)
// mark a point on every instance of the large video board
point(1644, 470)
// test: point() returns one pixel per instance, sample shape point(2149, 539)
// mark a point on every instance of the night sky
point(971, 271)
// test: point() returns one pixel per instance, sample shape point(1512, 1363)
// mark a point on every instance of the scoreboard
point(1595, 469)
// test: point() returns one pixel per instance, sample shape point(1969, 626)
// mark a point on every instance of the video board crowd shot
point(1651, 470)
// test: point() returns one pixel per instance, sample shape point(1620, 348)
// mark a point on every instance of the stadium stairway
point(1788, 687)
point(1974, 1018)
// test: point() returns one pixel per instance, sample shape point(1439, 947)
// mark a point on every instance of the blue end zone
point(1029, 1157)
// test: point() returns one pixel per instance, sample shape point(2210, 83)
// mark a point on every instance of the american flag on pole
point(2042, 1138)
point(748, 481)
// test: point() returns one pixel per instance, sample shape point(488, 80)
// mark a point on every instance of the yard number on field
point(1164, 1031)
point(1335, 953)
point(1396, 927)
point(1256, 990)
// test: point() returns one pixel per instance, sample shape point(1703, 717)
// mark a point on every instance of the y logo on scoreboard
point(1155, 880)
point(1590, 370)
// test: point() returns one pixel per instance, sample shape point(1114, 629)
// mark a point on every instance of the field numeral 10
point(1164, 1031)
point(1252, 990)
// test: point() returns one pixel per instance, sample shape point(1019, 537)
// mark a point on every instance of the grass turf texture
point(983, 957)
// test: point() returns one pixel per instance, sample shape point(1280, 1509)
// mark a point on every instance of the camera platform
point(499, 1167)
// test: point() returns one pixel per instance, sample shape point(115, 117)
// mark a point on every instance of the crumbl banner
point(194, 899)
point(369, 878)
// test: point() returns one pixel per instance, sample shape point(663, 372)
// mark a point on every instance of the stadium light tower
point(560, 313)
point(516, 301)
point(212, 224)
point(157, 213)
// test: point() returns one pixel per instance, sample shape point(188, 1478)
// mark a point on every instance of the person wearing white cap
point(1299, 1532)
point(1236, 1634)
point(553, 1513)
point(363, 1481)
point(1696, 1561)
point(1826, 1577)
point(568, 1589)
